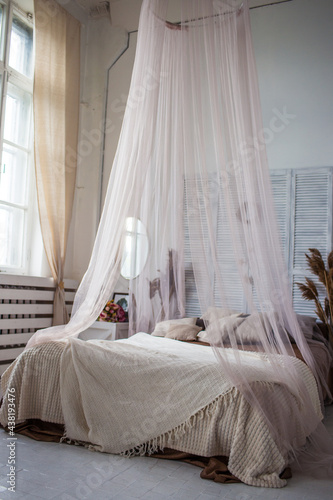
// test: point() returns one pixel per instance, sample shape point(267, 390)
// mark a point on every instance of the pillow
point(183, 332)
point(307, 324)
point(249, 330)
point(162, 327)
point(320, 331)
point(215, 313)
point(221, 328)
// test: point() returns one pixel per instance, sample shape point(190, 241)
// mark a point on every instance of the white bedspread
point(146, 392)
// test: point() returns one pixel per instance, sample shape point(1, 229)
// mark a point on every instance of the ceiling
point(103, 8)
point(96, 9)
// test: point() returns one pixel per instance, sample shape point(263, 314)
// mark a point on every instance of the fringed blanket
point(124, 397)
point(146, 393)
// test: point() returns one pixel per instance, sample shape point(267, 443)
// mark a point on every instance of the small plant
point(310, 292)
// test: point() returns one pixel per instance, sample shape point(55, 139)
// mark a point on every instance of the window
point(16, 76)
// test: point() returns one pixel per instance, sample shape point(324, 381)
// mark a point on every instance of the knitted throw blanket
point(123, 397)
point(133, 395)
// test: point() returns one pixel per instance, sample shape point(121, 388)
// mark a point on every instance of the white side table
point(105, 331)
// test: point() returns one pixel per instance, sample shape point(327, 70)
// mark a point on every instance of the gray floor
point(60, 471)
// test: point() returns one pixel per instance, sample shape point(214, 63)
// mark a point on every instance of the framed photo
point(122, 299)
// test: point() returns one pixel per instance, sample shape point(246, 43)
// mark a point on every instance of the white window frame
point(10, 75)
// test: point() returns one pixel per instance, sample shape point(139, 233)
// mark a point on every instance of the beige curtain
point(56, 115)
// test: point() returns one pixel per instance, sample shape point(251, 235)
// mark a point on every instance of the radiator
point(26, 305)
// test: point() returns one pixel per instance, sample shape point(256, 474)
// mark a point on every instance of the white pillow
point(162, 327)
point(215, 313)
point(221, 328)
point(254, 325)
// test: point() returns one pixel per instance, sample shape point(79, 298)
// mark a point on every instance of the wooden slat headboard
point(26, 305)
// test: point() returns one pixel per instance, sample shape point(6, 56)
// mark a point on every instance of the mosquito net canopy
point(190, 192)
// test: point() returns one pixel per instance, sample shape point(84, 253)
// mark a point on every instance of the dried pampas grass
point(309, 289)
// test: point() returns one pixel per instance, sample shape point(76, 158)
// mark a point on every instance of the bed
point(150, 393)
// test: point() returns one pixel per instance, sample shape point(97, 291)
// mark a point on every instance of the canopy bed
point(190, 177)
point(161, 396)
point(202, 414)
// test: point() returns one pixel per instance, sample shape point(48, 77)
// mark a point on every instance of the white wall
point(101, 44)
point(293, 46)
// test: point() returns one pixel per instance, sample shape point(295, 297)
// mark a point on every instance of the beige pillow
point(221, 328)
point(183, 332)
point(162, 327)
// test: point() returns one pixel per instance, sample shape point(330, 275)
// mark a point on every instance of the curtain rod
point(178, 23)
point(268, 4)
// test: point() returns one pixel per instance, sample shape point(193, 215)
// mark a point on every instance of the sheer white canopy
point(191, 166)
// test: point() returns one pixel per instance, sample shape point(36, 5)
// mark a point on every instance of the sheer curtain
point(56, 115)
point(189, 168)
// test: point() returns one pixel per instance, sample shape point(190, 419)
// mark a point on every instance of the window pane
point(20, 50)
point(1, 27)
point(13, 176)
point(17, 116)
point(11, 236)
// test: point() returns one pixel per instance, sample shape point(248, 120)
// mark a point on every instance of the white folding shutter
point(281, 185)
point(232, 283)
point(311, 228)
point(192, 305)
point(303, 203)
point(226, 262)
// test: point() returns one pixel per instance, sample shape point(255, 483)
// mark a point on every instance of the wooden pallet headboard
point(26, 305)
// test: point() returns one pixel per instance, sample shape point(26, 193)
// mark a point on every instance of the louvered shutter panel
point(312, 227)
point(192, 307)
point(191, 295)
point(281, 183)
point(303, 203)
point(193, 247)
point(231, 280)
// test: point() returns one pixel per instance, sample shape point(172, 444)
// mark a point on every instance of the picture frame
point(122, 299)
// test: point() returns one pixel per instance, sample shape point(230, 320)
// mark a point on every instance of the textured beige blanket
point(121, 396)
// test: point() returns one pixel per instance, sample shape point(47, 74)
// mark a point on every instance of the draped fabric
point(191, 174)
point(56, 115)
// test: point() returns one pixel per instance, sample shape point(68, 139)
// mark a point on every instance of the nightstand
point(105, 331)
